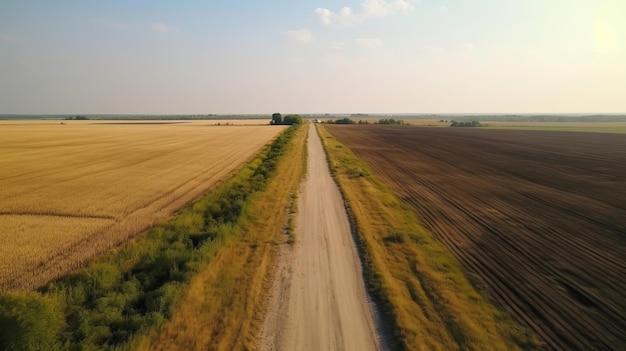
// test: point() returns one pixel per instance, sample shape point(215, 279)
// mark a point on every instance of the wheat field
point(69, 192)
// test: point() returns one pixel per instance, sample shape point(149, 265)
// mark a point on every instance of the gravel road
point(319, 301)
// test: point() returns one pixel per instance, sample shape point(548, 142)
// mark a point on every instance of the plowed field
point(539, 218)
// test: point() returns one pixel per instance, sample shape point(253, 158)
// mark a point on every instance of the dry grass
point(421, 285)
point(224, 306)
point(70, 192)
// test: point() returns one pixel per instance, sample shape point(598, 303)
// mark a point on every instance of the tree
point(391, 121)
point(344, 121)
point(465, 124)
point(29, 321)
point(292, 119)
point(277, 118)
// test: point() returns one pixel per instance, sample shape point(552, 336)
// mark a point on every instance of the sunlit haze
point(370, 56)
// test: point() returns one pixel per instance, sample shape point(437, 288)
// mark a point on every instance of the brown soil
point(538, 217)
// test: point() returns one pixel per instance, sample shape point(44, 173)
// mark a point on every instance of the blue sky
point(376, 56)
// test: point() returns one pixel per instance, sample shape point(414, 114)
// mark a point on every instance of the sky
point(341, 56)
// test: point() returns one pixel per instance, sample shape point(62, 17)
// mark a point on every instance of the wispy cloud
point(443, 9)
point(163, 28)
point(300, 35)
point(369, 9)
point(369, 43)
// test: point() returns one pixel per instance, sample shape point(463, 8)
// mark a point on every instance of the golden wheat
point(69, 192)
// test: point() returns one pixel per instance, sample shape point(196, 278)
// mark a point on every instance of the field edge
point(421, 287)
point(225, 305)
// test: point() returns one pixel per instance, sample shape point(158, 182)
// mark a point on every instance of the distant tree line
point(77, 118)
point(465, 124)
point(278, 119)
point(341, 121)
point(364, 121)
point(391, 121)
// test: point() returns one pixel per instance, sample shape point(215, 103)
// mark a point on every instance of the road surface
point(319, 300)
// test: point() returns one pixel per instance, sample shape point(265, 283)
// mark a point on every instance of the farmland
point(537, 218)
point(70, 192)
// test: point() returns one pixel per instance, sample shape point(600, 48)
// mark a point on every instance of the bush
point(292, 119)
point(277, 119)
point(465, 124)
point(343, 121)
point(29, 321)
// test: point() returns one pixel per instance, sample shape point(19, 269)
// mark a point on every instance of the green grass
point(421, 287)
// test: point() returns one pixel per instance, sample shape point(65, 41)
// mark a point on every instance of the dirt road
point(319, 300)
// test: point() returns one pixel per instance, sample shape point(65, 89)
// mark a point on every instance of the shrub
point(343, 121)
point(465, 124)
point(391, 121)
point(29, 321)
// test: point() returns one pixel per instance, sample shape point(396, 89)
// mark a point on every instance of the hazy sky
point(200, 57)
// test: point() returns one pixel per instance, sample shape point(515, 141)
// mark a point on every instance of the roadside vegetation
point(278, 119)
point(420, 286)
point(136, 289)
point(224, 306)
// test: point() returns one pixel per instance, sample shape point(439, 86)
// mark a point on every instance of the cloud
point(443, 9)
point(300, 35)
point(369, 9)
point(369, 43)
point(162, 28)
point(325, 15)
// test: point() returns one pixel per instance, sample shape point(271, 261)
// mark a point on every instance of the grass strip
point(225, 305)
point(136, 289)
point(419, 284)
